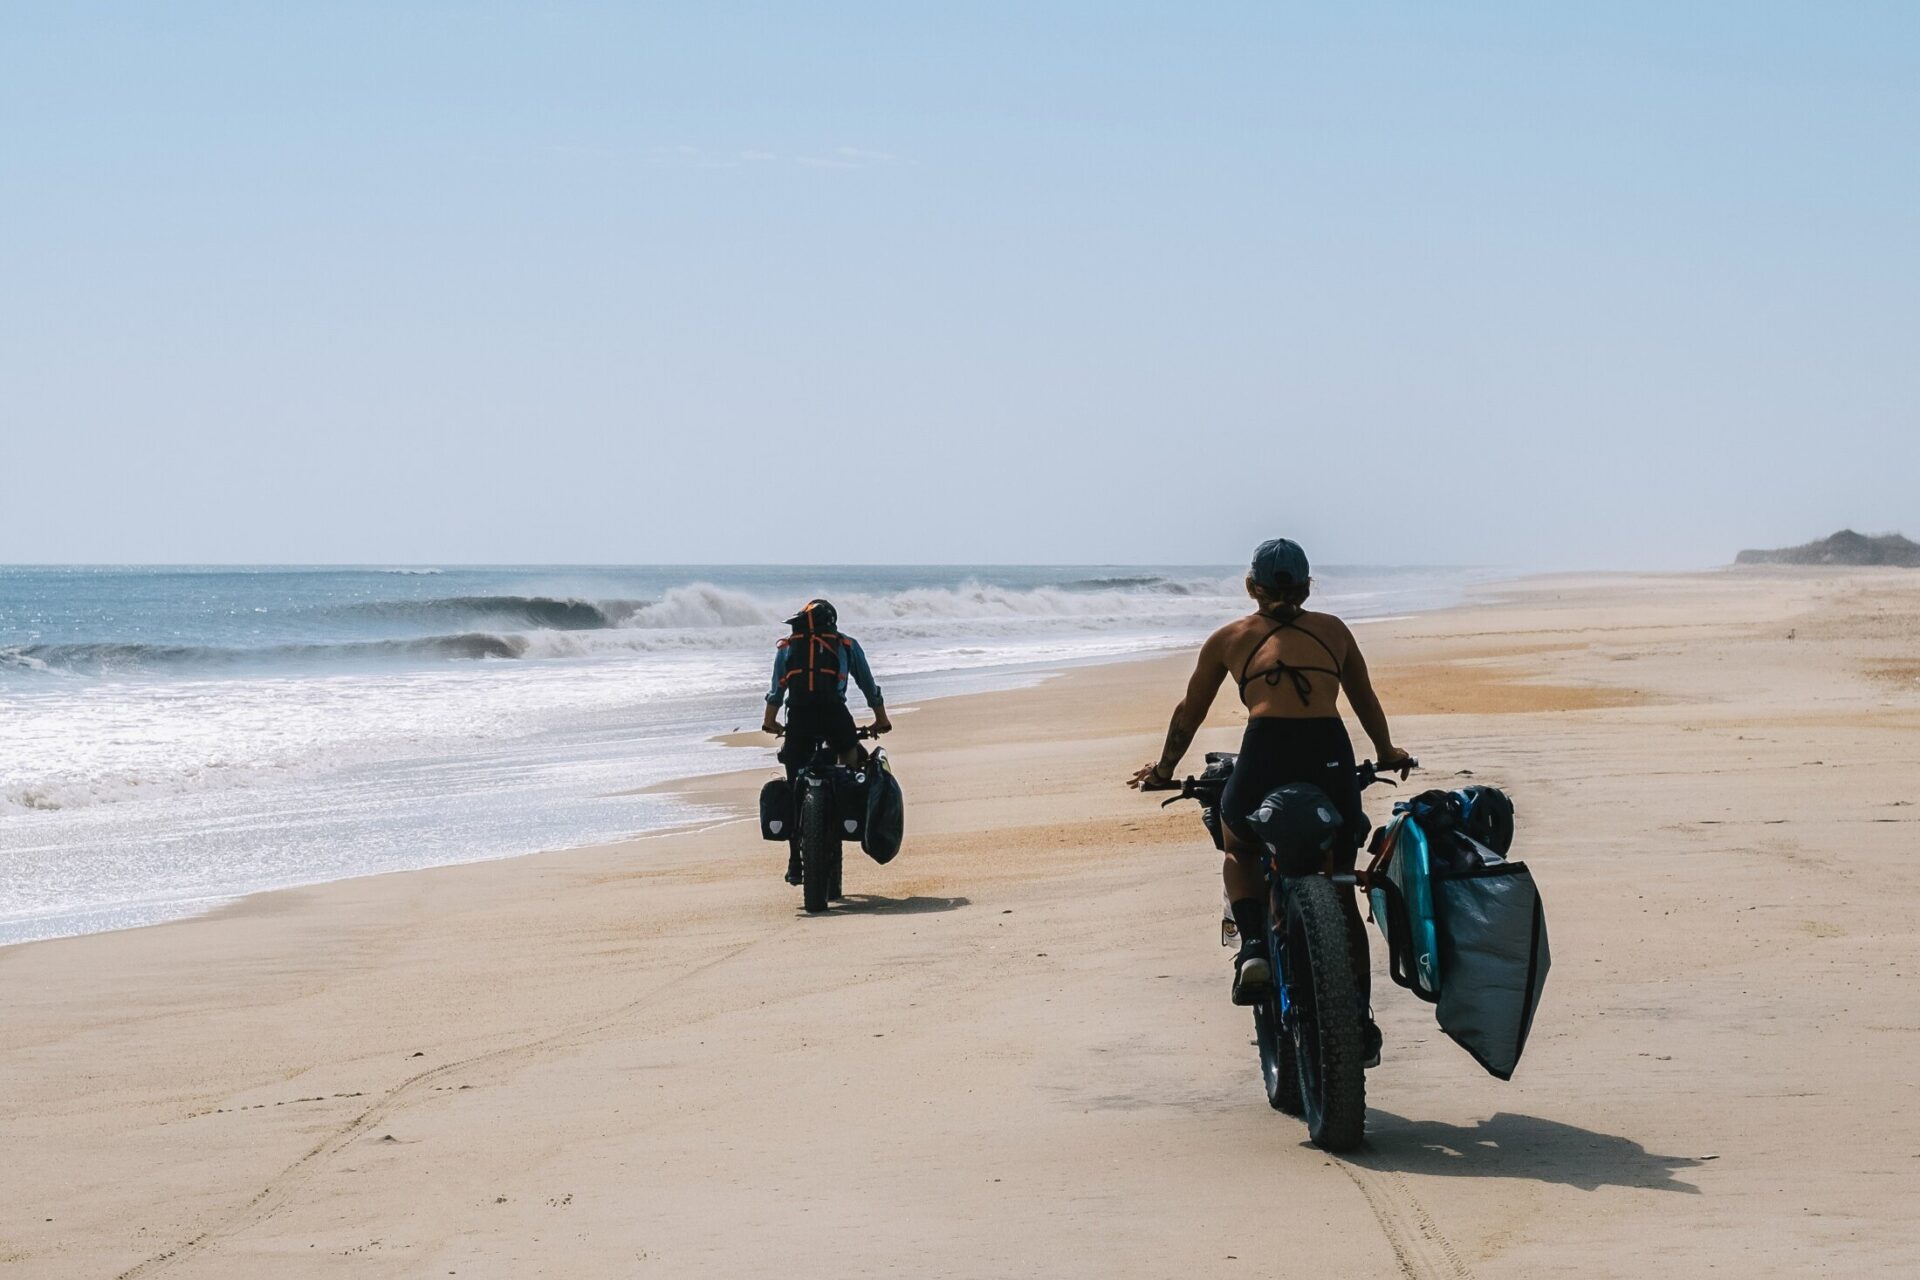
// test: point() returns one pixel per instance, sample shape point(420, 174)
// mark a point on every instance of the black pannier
point(886, 813)
point(776, 810)
point(850, 802)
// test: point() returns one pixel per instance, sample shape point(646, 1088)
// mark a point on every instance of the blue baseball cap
point(1279, 563)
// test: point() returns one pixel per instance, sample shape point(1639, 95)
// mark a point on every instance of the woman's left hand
point(1149, 778)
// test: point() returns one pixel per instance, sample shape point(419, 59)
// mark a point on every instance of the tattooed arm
point(1189, 715)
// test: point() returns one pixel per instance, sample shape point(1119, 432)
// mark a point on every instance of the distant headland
point(1844, 547)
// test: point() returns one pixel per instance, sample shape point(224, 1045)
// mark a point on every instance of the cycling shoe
point(1252, 976)
point(1370, 1033)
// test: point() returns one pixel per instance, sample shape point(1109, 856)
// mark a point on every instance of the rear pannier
point(776, 810)
point(886, 812)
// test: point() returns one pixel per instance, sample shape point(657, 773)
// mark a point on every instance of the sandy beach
point(1012, 1054)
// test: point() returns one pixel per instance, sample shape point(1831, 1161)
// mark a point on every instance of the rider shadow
point(873, 904)
point(1517, 1146)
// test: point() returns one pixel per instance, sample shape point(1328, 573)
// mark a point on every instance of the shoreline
point(1023, 676)
point(1011, 1053)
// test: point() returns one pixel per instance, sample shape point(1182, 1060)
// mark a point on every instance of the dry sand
point(1011, 1054)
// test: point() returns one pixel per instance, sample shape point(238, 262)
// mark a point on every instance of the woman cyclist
point(1291, 665)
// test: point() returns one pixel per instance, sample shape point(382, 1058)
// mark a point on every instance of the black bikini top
point(1282, 669)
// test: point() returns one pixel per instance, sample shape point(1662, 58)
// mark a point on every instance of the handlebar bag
point(1492, 934)
point(776, 810)
point(886, 812)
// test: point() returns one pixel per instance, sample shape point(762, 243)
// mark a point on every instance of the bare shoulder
point(1233, 632)
point(1328, 626)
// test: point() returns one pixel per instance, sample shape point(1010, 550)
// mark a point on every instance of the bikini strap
point(1337, 664)
point(1246, 670)
point(1281, 668)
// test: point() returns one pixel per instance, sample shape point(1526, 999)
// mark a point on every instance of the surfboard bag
point(886, 814)
point(776, 810)
point(1494, 958)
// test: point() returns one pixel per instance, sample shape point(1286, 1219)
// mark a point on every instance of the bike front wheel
point(1323, 1014)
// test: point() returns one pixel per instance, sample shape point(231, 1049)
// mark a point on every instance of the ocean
point(172, 738)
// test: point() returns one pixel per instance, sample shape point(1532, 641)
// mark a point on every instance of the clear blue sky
point(1620, 284)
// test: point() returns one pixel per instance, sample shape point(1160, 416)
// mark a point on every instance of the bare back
point(1289, 666)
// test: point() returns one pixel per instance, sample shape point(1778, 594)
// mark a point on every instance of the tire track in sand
point(1420, 1249)
point(265, 1202)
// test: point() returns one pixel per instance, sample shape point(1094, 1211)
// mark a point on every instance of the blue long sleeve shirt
point(853, 664)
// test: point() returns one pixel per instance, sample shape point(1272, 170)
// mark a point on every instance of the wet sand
point(1011, 1053)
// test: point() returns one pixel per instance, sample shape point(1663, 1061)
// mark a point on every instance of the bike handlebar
point(863, 732)
point(1369, 773)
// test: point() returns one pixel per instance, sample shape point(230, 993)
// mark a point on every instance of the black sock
point(1250, 918)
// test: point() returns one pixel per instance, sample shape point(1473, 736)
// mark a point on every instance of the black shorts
point(1277, 751)
point(812, 722)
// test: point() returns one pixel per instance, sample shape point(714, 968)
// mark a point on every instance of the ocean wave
point(20, 659)
point(692, 617)
point(539, 612)
point(132, 657)
point(58, 792)
point(703, 605)
point(985, 602)
point(1151, 584)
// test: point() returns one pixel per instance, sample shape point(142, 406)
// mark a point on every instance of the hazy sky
point(1620, 284)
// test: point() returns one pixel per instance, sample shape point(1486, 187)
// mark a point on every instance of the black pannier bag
point(850, 802)
point(776, 810)
point(1493, 959)
point(886, 814)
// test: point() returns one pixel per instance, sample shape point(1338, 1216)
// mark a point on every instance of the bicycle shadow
point(1517, 1146)
point(873, 904)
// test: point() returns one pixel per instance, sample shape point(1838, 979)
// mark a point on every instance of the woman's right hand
point(1149, 778)
point(1393, 759)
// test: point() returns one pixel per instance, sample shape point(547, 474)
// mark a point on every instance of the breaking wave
point(695, 616)
point(107, 659)
point(1155, 584)
point(540, 612)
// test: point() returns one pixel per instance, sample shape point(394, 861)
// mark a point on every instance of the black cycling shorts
point(1278, 750)
point(812, 721)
